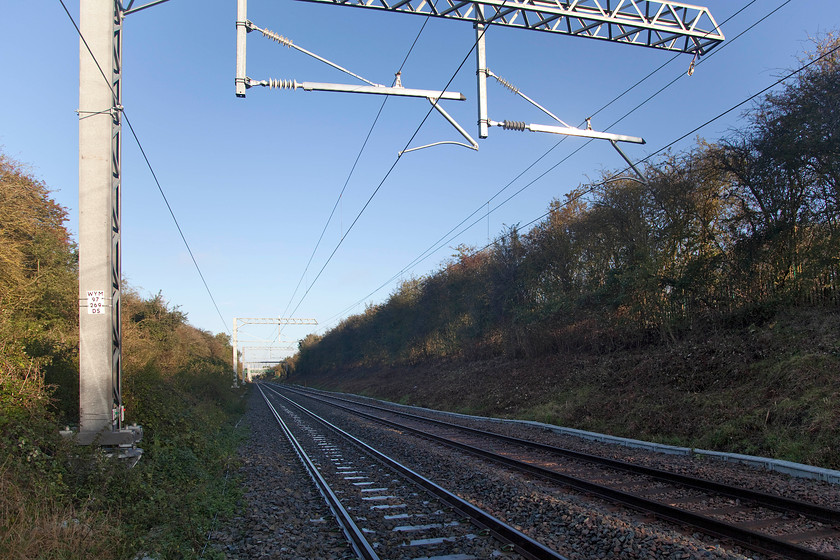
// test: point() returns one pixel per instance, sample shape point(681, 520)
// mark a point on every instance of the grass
point(58, 500)
point(42, 525)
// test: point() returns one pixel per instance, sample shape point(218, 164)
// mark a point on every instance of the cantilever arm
point(568, 131)
point(272, 83)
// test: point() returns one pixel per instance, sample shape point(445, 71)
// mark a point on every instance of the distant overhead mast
point(658, 24)
point(242, 321)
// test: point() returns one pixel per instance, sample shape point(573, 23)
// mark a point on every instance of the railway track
point(762, 522)
point(385, 509)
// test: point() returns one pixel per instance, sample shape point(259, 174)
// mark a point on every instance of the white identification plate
point(96, 302)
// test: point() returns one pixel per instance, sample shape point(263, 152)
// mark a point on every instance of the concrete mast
point(100, 107)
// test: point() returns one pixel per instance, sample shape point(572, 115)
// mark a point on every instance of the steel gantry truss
point(262, 365)
point(286, 346)
point(241, 321)
point(658, 24)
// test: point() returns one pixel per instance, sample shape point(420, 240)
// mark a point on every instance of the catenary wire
point(390, 170)
point(325, 226)
point(687, 134)
point(149, 165)
point(436, 246)
point(350, 175)
point(598, 184)
point(445, 239)
point(701, 61)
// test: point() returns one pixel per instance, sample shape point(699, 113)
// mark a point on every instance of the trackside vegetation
point(700, 308)
point(59, 500)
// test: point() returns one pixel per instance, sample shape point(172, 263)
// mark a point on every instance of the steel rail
point(771, 501)
point(754, 540)
point(360, 544)
point(521, 543)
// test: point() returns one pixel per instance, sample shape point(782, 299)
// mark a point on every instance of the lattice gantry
point(672, 26)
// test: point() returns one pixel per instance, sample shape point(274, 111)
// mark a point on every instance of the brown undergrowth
point(770, 388)
point(36, 525)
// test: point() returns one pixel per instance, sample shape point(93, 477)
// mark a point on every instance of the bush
point(59, 500)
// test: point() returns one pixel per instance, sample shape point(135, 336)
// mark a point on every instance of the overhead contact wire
point(438, 244)
point(443, 239)
point(388, 173)
point(696, 129)
point(350, 174)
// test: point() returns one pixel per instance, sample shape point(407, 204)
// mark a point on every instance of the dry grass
point(769, 389)
point(35, 525)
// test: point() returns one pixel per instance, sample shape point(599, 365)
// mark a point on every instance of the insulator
point(281, 84)
point(507, 84)
point(513, 125)
point(276, 37)
point(693, 63)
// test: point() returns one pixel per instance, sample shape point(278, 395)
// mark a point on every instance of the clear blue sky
point(252, 181)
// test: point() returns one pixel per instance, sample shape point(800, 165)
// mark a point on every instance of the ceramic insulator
point(513, 125)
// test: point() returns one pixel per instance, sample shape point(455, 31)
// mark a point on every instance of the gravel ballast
point(284, 516)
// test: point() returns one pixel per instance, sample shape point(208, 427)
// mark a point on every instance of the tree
point(38, 294)
point(38, 262)
point(784, 171)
